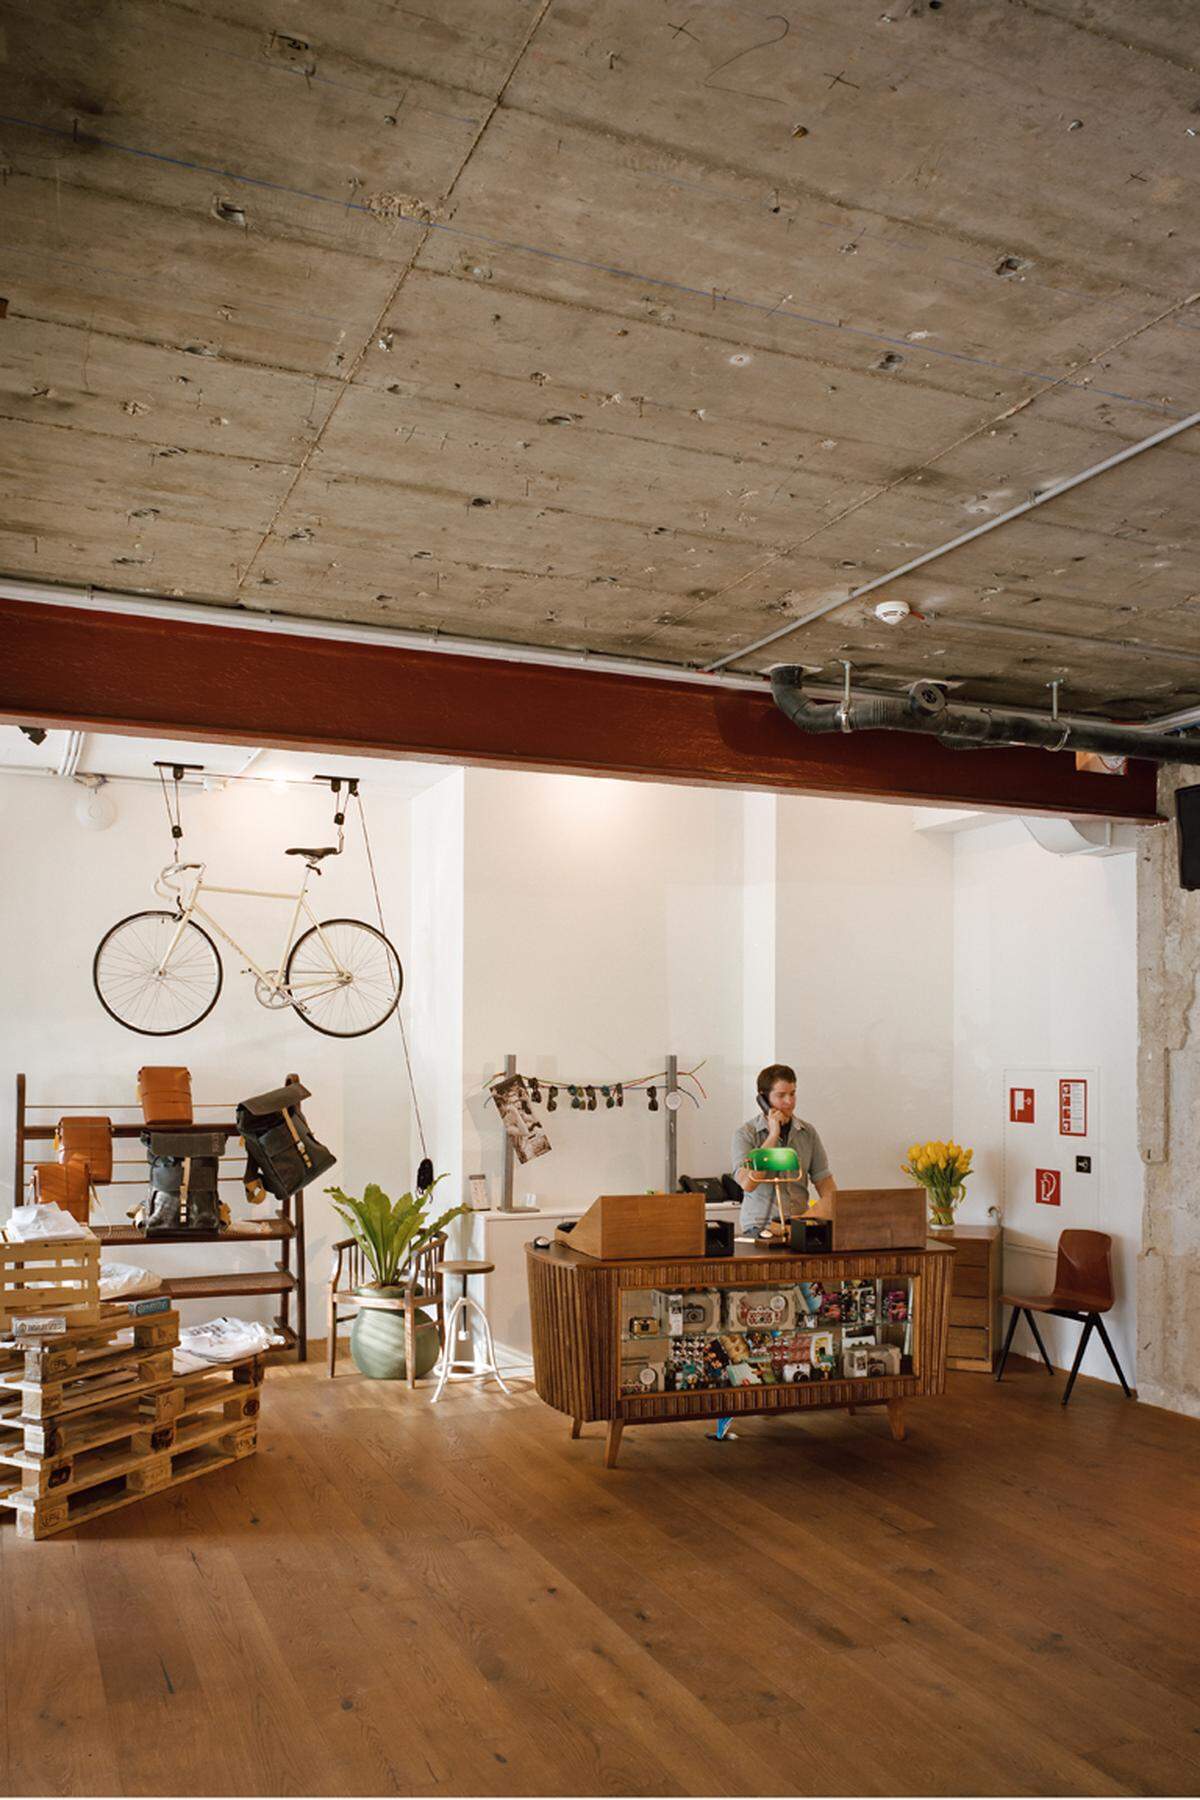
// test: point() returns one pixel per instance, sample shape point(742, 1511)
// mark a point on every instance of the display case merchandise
point(699, 1338)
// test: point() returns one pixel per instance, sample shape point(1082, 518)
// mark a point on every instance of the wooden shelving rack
point(286, 1277)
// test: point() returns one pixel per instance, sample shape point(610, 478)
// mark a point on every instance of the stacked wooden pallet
point(95, 1418)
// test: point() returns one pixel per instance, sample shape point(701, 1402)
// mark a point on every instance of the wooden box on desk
point(638, 1225)
point(879, 1219)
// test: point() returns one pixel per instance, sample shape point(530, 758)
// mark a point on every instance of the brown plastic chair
point(1083, 1289)
point(424, 1289)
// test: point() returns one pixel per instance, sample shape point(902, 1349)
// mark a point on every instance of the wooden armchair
point(350, 1270)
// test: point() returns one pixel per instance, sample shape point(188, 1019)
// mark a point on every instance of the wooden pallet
point(95, 1447)
point(46, 1515)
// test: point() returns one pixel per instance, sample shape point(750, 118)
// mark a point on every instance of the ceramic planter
point(377, 1339)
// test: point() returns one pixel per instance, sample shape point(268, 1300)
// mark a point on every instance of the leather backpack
point(89, 1137)
point(184, 1171)
point(66, 1184)
point(166, 1095)
point(282, 1155)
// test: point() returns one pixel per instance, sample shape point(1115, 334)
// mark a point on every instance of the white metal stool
point(459, 1324)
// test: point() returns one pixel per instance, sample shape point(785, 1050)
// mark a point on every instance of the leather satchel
point(64, 1184)
point(184, 1171)
point(165, 1095)
point(282, 1155)
point(89, 1137)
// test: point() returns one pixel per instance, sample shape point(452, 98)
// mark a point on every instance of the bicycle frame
point(189, 908)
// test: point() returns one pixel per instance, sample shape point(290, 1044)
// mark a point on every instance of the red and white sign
point(1020, 1106)
point(1072, 1107)
point(1049, 1187)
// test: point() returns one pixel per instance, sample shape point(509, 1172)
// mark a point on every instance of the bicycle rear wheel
point(344, 977)
point(140, 990)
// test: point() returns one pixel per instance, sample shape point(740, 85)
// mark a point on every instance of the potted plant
point(942, 1170)
point(391, 1235)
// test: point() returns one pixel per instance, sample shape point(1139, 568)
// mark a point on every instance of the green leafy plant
point(391, 1232)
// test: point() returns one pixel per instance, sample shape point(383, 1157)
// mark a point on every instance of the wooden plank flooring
point(394, 1598)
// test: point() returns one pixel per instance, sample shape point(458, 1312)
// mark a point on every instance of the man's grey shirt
point(758, 1205)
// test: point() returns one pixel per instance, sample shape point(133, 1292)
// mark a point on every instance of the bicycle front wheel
point(344, 977)
point(148, 986)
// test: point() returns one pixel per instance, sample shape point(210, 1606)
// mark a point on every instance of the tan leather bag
point(89, 1137)
point(64, 1184)
point(166, 1096)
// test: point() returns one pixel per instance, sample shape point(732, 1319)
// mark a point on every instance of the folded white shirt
point(32, 1224)
point(221, 1340)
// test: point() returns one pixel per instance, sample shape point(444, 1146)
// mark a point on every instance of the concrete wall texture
point(1169, 1106)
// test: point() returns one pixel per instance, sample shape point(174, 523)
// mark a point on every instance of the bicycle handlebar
point(163, 886)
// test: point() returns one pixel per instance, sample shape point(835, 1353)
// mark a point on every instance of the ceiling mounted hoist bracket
point(1066, 730)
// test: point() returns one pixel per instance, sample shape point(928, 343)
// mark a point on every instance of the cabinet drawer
point(973, 1344)
point(971, 1252)
point(970, 1312)
point(971, 1281)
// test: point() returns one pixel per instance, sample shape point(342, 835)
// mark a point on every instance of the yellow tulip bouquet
point(942, 1170)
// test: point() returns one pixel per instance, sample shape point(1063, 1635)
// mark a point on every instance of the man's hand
point(775, 1124)
point(746, 1179)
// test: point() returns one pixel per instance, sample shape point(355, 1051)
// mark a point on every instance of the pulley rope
point(174, 818)
point(412, 1086)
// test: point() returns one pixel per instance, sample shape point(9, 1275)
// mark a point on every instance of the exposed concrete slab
point(798, 312)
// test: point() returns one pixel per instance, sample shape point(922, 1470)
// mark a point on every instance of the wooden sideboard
point(578, 1347)
point(975, 1297)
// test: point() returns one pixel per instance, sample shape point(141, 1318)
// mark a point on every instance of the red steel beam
point(120, 672)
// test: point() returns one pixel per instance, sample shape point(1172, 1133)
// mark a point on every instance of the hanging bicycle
point(160, 973)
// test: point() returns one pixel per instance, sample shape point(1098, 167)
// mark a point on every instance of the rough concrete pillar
point(1169, 1117)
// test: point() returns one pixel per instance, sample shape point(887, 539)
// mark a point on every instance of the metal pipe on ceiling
point(226, 618)
point(925, 709)
point(956, 543)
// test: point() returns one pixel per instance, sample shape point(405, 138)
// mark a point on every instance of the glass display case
point(687, 1340)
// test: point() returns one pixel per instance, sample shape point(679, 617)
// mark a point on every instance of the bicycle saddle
point(313, 855)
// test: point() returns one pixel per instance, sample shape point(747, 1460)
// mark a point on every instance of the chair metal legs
point(1038, 1339)
point(1084, 1335)
point(1090, 1322)
point(1112, 1356)
point(1008, 1338)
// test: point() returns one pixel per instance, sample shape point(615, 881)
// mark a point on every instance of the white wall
point(1045, 975)
point(864, 980)
point(603, 932)
point(64, 885)
point(610, 922)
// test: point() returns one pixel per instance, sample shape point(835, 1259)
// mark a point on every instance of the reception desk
point(766, 1331)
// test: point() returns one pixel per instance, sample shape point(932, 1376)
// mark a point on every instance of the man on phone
point(776, 1124)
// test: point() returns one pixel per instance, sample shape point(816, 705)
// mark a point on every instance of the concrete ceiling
point(634, 326)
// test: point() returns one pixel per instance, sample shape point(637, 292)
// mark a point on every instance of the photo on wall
point(526, 1133)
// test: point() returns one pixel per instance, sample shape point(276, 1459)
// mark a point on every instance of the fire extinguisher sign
point(1072, 1107)
point(1049, 1187)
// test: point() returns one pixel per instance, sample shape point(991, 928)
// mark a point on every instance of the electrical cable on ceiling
point(425, 1173)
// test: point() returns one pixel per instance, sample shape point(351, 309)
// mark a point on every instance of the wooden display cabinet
point(577, 1304)
point(975, 1297)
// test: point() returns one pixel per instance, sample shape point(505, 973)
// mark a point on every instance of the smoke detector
point(891, 612)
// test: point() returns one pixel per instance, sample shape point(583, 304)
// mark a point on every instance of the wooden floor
point(394, 1598)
